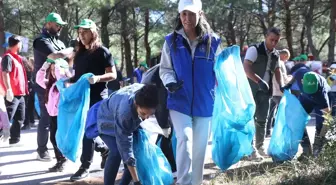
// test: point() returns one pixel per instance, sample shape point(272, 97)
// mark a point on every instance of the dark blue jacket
point(117, 117)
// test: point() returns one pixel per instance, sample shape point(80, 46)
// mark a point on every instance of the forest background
point(134, 30)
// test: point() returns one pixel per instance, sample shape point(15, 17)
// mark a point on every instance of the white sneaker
point(45, 157)
point(255, 157)
point(262, 152)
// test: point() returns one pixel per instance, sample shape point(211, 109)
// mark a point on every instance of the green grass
point(289, 173)
point(313, 171)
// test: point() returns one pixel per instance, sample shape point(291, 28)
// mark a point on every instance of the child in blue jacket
point(118, 117)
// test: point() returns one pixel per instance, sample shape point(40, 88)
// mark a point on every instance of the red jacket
point(18, 77)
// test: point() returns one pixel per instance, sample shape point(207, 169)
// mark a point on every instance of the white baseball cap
point(192, 5)
point(333, 66)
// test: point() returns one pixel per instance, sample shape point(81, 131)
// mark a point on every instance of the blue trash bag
point(37, 105)
point(152, 166)
point(233, 115)
point(289, 126)
point(72, 111)
point(174, 143)
point(91, 127)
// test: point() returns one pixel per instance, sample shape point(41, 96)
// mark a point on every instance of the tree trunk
point(135, 39)
point(331, 43)
point(309, 25)
point(2, 29)
point(135, 50)
point(104, 13)
point(122, 53)
point(126, 38)
point(146, 42)
point(232, 33)
point(20, 22)
point(77, 15)
point(288, 26)
point(64, 14)
point(262, 16)
point(333, 5)
point(271, 17)
point(302, 42)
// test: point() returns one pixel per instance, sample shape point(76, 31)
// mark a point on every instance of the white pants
point(192, 135)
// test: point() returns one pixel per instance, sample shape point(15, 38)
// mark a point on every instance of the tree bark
point(104, 13)
point(302, 42)
point(271, 17)
point(288, 26)
point(262, 16)
point(126, 38)
point(122, 53)
point(2, 29)
point(20, 21)
point(232, 33)
point(135, 39)
point(309, 25)
point(146, 42)
point(77, 15)
point(64, 14)
point(331, 43)
point(333, 7)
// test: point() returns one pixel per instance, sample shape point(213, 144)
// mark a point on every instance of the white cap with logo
point(192, 5)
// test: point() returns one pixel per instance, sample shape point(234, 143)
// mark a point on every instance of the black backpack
point(152, 76)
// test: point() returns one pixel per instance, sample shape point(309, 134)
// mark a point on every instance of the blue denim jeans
point(332, 101)
point(113, 162)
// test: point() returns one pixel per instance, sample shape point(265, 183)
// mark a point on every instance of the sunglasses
point(58, 25)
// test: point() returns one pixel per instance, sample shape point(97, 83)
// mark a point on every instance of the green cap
point(55, 17)
point(87, 24)
point(143, 64)
point(310, 83)
point(303, 57)
point(296, 59)
point(116, 62)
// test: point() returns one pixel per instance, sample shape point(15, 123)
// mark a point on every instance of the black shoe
point(80, 174)
point(44, 156)
point(14, 141)
point(32, 125)
point(26, 127)
point(104, 156)
point(59, 166)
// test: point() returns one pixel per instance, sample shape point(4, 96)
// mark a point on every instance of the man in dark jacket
point(261, 63)
point(47, 45)
point(152, 76)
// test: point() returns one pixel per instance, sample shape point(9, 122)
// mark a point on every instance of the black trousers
point(16, 114)
point(53, 128)
point(30, 109)
point(167, 149)
point(91, 145)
